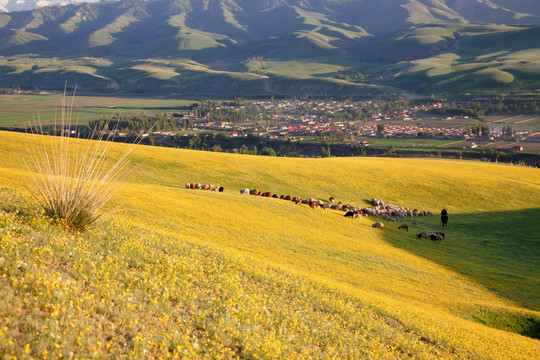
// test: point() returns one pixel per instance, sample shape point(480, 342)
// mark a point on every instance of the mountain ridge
point(350, 36)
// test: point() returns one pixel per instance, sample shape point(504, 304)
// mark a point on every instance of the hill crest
point(358, 38)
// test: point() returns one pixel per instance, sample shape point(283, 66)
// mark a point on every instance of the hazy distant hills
point(274, 46)
point(21, 5)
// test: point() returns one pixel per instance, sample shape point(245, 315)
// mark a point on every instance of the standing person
point(444, 217)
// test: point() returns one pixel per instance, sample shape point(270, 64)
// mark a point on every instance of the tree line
point(9, 91)
point(477, 109)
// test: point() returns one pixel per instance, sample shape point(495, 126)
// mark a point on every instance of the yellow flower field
point(177, 273)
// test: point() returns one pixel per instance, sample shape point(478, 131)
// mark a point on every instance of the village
point(348, 121)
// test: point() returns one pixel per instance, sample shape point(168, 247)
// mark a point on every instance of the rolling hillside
point(225, 275)
point(192, 44)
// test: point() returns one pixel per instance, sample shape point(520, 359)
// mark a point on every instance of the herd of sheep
point(207, 187)
point(380, 209)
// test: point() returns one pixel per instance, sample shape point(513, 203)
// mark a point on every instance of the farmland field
point(518, 122)
point(266, 278)
point(18, 110)
point(414, 142)
point(428, 120)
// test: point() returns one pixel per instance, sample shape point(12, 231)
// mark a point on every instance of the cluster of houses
point(287, 119)
point(414, 131)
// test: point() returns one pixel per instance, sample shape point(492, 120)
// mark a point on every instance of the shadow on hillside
point(499, 250)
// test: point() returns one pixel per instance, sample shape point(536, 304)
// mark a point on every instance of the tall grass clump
point(72, 178)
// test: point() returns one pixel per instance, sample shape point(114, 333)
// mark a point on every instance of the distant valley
point(224, 48)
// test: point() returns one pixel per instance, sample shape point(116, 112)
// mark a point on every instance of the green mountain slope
point(374, 38)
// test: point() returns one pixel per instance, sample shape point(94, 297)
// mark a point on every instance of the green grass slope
point(176, 272)
point(490, 61)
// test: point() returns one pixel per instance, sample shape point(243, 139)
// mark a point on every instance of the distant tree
point(222, 136)
point(268, 151)
point(380, 129)
point(243, 149)
point(325, 151)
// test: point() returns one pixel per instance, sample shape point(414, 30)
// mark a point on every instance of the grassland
point(178, 272)
point(18, 110)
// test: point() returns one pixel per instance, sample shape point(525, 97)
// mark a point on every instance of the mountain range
point(21, 5)
point(279, 47)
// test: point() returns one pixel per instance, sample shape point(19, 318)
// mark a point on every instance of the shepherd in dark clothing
point(444, 217)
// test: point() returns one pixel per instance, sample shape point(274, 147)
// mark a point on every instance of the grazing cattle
point(404, 227)
point(350, 214)
point(221, 189)
point(332, 199)
point(255, 192)
point(286, 197)
point(378, 225)
point(192, 186)
point(188, 185)
point(266, 194)
point(244, 191)
point(275, 196)
point(421, 235)
point(311, 204)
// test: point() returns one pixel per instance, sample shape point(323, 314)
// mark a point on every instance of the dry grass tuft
point(73, 180)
